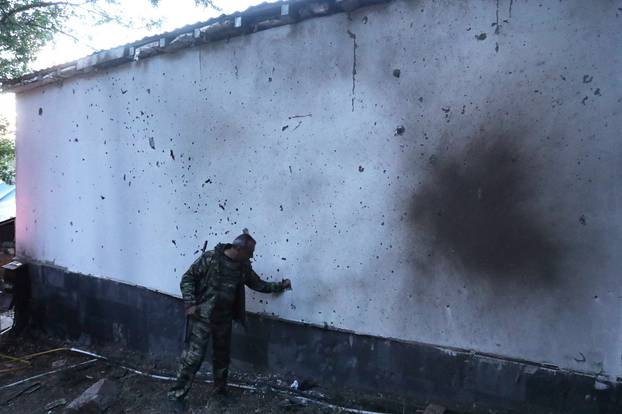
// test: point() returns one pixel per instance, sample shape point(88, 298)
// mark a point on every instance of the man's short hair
point(244, 241)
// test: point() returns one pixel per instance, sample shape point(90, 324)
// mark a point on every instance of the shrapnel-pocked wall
point(440, 172)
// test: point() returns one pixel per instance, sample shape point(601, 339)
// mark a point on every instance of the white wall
point(492, 223)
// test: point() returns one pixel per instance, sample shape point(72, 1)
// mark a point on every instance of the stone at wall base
point(103, 312)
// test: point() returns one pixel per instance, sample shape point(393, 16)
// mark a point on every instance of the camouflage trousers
point(197, 338)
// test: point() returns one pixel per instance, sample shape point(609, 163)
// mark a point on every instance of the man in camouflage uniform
point(213, 294)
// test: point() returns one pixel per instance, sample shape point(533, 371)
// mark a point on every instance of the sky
point(171, 14)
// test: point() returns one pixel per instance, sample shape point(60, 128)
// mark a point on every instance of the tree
point(7, 153)
point(27, 25)
point(24, 28)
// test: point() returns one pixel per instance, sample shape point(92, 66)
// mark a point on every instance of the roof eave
point(261, 17)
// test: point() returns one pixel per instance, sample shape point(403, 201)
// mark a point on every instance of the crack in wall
point(355, 46)
point(497, 22)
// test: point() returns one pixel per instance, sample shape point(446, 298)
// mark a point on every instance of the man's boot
point(179, 391)
point(220, 388)
point(176, 402)
point(219, 398)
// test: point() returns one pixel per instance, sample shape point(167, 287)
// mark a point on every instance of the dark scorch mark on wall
point(478, 206)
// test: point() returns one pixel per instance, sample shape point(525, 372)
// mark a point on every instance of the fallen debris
point(56, 403)
point(97, 398)
point(306, 385)
point(47, 373)
point(292, 404)
point(434, 409)
point(24, 391)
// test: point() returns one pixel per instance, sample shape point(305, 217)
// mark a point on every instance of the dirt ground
point(134, 392)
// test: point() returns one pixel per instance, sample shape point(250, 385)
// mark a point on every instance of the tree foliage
point(7, 153)
point(27, 25)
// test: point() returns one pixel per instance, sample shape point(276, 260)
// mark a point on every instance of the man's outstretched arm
point(254, 282)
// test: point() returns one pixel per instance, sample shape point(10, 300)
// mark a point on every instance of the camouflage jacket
point(202, 282)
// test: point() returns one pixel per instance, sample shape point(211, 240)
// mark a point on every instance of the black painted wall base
point(101, 311)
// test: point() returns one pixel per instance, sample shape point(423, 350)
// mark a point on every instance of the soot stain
point(477, 205)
